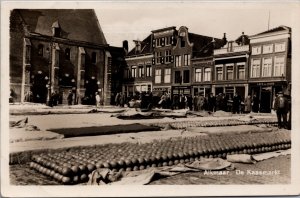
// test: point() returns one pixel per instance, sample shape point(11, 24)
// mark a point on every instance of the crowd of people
point(199, 102)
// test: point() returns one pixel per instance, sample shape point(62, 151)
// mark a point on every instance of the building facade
point(270, 65)
point(163, 41)
point(138, 72)
point(57, 51)
point(203, 64)
point(231, 68)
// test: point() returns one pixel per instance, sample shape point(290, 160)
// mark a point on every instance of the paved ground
point(23, 175)
point(66, 117)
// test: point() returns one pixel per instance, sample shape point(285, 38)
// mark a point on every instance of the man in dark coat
point(255, 103)
point(211, 102)
point(70, 98)
point(236, 103)
point(281, 106)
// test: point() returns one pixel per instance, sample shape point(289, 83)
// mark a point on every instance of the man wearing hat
point(281, 107)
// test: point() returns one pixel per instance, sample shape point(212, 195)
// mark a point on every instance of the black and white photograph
point(133, 98)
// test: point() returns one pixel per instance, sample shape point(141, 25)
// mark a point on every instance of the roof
point(204, 45)
point(146, 48)
point(77, 24)
point(276, 29)
point(164, 29)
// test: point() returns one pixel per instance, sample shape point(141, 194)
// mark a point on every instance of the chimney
point(138, 46)
point(224, 39)
point(243, 39)
point(125, 46)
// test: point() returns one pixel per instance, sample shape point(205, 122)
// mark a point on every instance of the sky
point(131, 21)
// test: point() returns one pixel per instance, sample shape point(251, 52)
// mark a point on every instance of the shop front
point(179, 90)
point(160, 90)
point(230, 89)
point(202, 90)
point(266, 92)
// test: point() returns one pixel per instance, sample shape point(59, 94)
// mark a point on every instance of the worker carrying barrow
point(281, 106)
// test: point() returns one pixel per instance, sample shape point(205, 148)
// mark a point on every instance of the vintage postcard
point(145, 98)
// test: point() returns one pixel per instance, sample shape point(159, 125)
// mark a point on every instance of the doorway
point(265, 101)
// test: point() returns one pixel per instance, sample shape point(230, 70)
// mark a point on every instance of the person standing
point(195, 102)
point(247, 102)
point(255, 103)
point(117, 99)
point(236, 102)
point(200, 103)
point(281, 106)
point(98, 100)
point(70, 98)
point(211, 102)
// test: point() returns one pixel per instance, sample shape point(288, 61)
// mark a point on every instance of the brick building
point(57, 50)
point(270, 65)
point(138, 72)
point(163, 42)
point(231, 68)
point(202, 70)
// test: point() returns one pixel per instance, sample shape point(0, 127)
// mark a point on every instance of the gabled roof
point(204, 45)
point(146, 48)
point(79, 24)
point(276, 29)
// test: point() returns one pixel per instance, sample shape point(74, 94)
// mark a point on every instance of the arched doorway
point(91, 87)
point(39, 87)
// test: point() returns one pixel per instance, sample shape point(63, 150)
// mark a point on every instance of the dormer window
point(56, 29)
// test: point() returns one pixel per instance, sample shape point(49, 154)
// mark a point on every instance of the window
point(279, 66)
point(241, 72)
point(177, 61)
point(160, 42)
point(198, 75)
point(41, 50)
point(94, 57)
point(255, 68)
point(267, 67)
point(158, 76)
point(167, 78)
point(187, 59)
point(168, 56)
point(126, 73)
point(158, 57)
point(207, 74)
point(229, 72)
point(186, 76)
point(168, 41)
point(182, 42)
point(279, 47)
point(67, 54)
point(56, 31)
point(133, 71)
point(268, 48)
point(148, 71)
point(219, 73)
point(177, 77)
point(256, 50)
point(141, 72)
